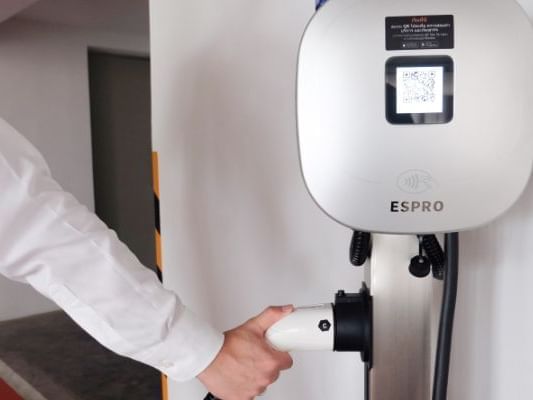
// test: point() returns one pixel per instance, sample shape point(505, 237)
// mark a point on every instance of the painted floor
point(7, 393)
point(61, 362)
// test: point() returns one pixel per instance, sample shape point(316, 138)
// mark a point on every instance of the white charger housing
point(416, 116)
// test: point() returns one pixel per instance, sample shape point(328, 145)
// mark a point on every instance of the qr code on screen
point(419, 87)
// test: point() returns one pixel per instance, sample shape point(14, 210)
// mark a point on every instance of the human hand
point(246, 365)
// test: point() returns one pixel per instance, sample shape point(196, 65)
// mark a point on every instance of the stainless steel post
point(404, 322)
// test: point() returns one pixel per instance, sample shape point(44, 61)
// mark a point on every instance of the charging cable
point(449, 298)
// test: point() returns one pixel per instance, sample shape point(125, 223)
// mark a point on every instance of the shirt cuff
point(190, 347)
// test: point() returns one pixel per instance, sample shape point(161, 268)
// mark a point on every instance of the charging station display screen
point(419, 90)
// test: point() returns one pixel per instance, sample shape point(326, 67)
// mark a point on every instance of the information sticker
point(420, 32)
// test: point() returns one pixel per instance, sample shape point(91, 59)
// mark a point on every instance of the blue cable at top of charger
point(320, 3)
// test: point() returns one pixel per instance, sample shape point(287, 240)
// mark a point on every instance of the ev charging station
point(414, 123)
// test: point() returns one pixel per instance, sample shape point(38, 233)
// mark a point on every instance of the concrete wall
point(44, 93)
point(240, 231)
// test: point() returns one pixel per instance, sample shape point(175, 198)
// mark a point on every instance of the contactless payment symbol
point(416, 181)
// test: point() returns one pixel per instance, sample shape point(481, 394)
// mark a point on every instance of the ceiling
point(8, 8)
point(127, 16)
point(130, 16)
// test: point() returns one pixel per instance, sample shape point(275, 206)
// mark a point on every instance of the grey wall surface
point(239, 229)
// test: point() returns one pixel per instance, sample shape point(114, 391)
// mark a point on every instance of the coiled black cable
point(449, 297)
point(360, 247)
point(433, 250)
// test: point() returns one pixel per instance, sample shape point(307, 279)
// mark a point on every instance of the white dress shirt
point(51, 241)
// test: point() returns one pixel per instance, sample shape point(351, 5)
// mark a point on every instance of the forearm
point(55, 244)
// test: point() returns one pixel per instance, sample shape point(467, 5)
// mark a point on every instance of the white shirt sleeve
point(51, 241)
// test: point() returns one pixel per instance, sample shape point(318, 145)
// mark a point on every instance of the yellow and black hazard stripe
point(158, 248)
point(155, 179)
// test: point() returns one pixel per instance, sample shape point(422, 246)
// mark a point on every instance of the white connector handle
point(306, 328)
